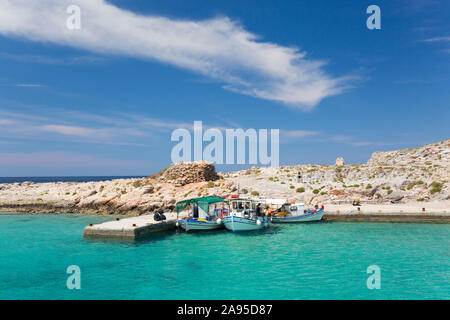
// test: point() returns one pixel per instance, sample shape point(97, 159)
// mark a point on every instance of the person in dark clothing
point(258, 210)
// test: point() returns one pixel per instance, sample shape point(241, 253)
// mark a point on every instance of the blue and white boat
point(201, 218)
point(245, 216)
point(295, 212)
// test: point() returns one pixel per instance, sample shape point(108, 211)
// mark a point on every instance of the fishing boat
point(245, 215)
point(201, 218)
point(295, 212)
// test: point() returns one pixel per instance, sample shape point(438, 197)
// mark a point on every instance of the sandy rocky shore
point(403, 180)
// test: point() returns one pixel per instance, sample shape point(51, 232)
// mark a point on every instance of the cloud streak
point(66, 160)
point(438, 39)
point(219, 48)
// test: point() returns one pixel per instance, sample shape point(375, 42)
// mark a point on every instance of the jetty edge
point(131, 228)
point(135, 228)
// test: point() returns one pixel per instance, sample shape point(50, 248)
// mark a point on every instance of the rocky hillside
point(416, 174)
point(121, 196)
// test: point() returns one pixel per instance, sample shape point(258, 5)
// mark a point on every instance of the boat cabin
point(295, 208)
point(200, 207)
point(240, 205)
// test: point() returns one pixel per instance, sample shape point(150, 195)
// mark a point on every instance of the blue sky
point(103, 100)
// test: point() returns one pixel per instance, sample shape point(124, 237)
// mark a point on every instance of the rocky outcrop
point(410, 175)
point(431, 154)
point(184, 173)
point(121, 196)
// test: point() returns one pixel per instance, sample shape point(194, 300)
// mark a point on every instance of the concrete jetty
point(143, 226)
point(131, 228)
point(387, 213)
point(364, 216)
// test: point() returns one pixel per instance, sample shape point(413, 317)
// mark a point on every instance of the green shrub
point(323, 192)
point(436, 187)
point(369, 186)
point(300, 190)
point(421, 199)
point(390, 191)
point(291, 186)
point(316, 191)
point(210, 184)
point(255, 193)
point(187, 193)
point(136, 184)
point(244, 191)
point(124, 192)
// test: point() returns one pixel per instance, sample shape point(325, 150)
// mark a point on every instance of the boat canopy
point(203, 203)
point(275, 202)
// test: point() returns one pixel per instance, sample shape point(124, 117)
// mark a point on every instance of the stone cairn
point(340, 161)
point(183, 173)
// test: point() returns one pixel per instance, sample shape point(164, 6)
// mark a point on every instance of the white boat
point(244, 217)
point(192, 224)
point(201, 217)
point(295, 212)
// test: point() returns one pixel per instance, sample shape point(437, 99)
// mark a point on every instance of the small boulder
point(395, 196)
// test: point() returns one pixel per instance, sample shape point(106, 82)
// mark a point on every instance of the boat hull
point(195, 225)
point(236, 223)
point(307, 217)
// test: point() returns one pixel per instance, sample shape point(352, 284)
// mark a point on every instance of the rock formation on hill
point(184, 173)
point(120, 196)
point(415, 174)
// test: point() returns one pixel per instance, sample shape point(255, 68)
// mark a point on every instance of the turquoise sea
point(303, 261)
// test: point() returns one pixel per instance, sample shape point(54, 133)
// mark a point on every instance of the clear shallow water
point(303, 261)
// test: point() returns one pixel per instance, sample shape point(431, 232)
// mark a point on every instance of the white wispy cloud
point(290, 135)
point(30, 85)
point(219, 48)
point(83, 127)
point(77, 131)
point(60, 159)
point(70, 60)
point(438, 39)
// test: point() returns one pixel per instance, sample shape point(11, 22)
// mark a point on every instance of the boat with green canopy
point(201, 217)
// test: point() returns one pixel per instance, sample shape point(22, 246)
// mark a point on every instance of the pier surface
point(387, 213)
point(131, 228)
